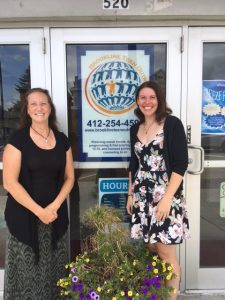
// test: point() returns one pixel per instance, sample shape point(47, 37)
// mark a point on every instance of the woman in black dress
point(158, 163)
point(38, 174)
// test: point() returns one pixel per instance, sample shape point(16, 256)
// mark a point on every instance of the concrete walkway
point(183, 297)
point(201, 297)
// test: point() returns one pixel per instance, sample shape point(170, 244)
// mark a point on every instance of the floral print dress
point(149, 187)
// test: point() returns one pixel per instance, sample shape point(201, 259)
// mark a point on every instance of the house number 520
point(115, 4)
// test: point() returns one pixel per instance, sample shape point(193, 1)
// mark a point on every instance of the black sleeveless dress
point(27, 278)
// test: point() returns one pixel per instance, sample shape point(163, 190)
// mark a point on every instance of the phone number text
point(110, 123)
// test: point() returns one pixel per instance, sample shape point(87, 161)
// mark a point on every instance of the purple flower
point(81, 296)
point(73, 270)
point(74, 279)
point(149, 268)
point(87, 267)
point(79, 286)
point(93, 295)
point(144, 291)
point(97, 297)
point(153, 297)
point(157, 285)
point(88, 296)
point(159, 277)
point(147, 282)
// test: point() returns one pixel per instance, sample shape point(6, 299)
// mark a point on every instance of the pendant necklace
point(147, 129)
point(45, 138)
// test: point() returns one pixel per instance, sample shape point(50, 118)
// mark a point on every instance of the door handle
point(196, 157)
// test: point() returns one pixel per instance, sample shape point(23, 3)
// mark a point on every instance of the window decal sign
point(213, 106)
point(113, 193)
point(109, 79)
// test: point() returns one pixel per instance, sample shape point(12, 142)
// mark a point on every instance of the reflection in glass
point(214, 73)
point(3, 229)
point(14, 81)
point(212, 225)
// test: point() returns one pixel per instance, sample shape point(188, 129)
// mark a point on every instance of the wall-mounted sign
point(109, 76)
point(213, 106)
point(115, 4)
point(113, 193)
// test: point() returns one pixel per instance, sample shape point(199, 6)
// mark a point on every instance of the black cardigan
point(175, 151)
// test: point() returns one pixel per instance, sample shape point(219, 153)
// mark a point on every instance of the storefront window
point(14, 81)
point(101, 84)
point(212, 221)
point(213, 102)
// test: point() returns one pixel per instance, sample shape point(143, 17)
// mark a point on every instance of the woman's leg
point(152, 248)
point(168, 253)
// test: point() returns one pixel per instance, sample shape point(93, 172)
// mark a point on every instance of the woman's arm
point(130, 196)
point(164, 205)
point(67, 185)
point(11, 171)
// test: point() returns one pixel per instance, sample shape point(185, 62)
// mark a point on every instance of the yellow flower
point(122, 293)
point(99, 289)
point(131, 273)
point(134, 263)
point(155, 257)
point(169, 268)
point(154, 263)
point(66, 293)
point(121, 279)
point(108, 291)
point(168, 277)
point(87, 260)
point(137, 294)
point(66, 266)
point(71, 265)
point(164, 269)
point(156, 271)
point(114, 298)
point(130, 293)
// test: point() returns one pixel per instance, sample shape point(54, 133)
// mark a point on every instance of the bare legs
point(168, 253)
point(152, 248)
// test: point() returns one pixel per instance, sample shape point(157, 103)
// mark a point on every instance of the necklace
point(45, 138)
point(147, 129)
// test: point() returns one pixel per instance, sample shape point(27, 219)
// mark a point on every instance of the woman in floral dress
point(159, 160)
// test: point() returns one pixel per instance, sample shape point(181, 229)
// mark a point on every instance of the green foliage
point(111, 267)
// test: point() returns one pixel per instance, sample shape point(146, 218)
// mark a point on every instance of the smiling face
point(147, 102)
point(38, 107)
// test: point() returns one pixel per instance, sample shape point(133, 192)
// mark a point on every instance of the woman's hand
point(163, 209)
point(47, 215)
point(129, 204)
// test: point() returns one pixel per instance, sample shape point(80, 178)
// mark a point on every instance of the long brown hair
point(162, 111)
point(25, 119)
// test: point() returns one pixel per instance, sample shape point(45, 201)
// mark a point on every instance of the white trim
point(214, 164)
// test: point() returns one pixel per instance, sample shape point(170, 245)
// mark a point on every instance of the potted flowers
point(112, 267)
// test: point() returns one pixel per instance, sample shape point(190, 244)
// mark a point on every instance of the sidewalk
point(201, 297)
point(186, 297)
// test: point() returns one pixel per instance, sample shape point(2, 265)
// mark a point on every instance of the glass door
point(95, 71)
point(22, 66)
point(206, 178)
